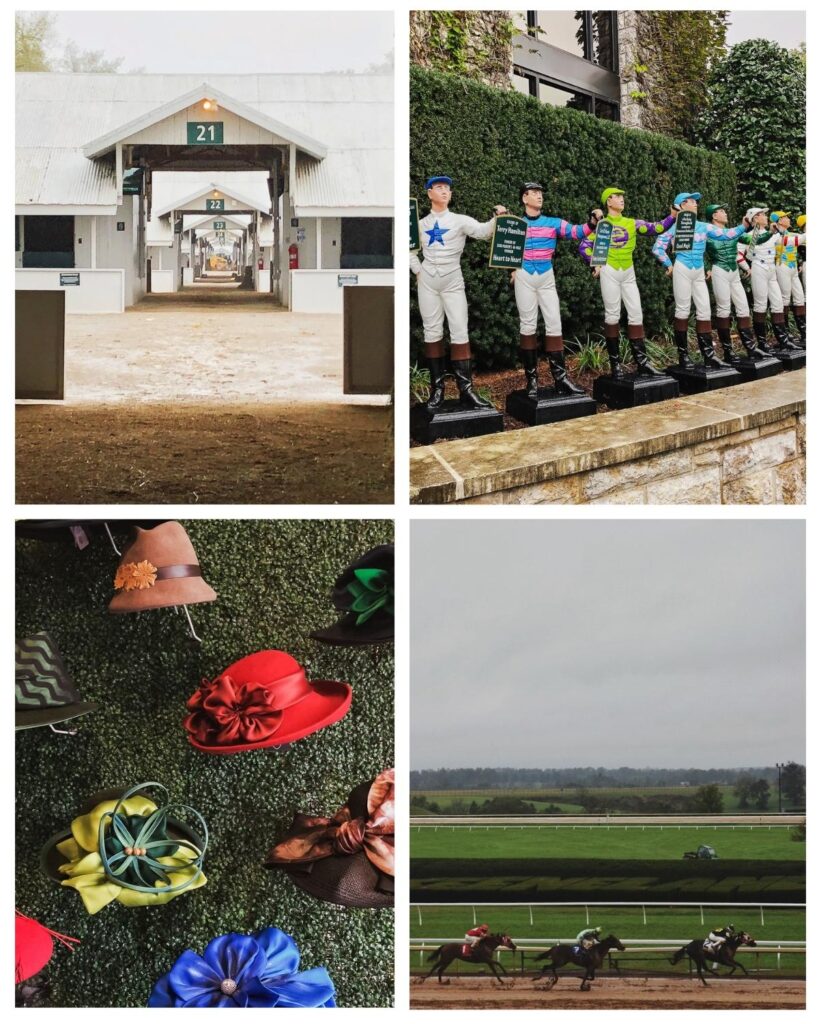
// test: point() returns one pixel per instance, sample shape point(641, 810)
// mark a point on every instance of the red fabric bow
point(224, 712)
point(313, 838)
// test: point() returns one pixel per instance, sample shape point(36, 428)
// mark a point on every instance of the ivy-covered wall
point(473, 44)
point(490, 141)
point(273, 580)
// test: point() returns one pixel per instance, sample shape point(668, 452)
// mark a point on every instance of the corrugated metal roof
point(58, 114)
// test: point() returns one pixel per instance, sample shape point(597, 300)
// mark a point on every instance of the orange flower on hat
point(142, 576)
point(135, 576)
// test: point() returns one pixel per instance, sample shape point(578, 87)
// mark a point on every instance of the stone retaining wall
point(736, 446)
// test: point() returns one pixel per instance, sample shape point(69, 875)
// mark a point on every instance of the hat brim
point(327, 704)
point(32, 719)
point(349, 881)
point(340, 635)
point(163, 594)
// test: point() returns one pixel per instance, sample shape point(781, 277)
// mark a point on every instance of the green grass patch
point(604, 842)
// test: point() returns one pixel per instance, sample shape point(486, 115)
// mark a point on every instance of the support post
point(318, 243)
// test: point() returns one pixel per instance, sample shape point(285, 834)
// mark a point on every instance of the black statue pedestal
point(758, 369)
point(791, 358)
point(696, 379)
point(549, 406)
point(631, 390)
point(453, 420)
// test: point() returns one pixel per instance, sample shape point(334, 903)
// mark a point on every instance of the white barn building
point(102, 163)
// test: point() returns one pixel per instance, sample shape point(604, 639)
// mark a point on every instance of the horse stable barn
point(92, 150)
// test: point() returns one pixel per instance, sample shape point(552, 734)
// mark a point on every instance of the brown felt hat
point(159, 569)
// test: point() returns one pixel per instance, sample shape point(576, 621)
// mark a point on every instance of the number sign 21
point(205, 133)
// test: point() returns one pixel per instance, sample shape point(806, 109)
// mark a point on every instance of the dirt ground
point(211, 396)
point(278, 453)
point(611, 994)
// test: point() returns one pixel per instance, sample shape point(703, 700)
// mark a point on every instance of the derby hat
point(349, 858)
point(263, 700)
point(43, 691)
point(159, 569)
point(33, 946)
point(143, 853)
point(363, 593)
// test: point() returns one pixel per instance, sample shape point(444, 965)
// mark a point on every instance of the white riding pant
point(533, 292)
point(689, 283)
point(766, 288)
point(790, 285)
point(619, 288)
point(728, 290)
point(442, 296)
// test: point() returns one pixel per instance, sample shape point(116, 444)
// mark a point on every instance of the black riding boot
point(644, 367)
point(801, 325)
point(746, 336)
point(761, 332)
point(528, 356)
point(681, 341)
point(437, 378)
point(563, 386)
point(462, 369)
point(723, 326)
point(705, 341)
point(613, 349)
point(783, 338)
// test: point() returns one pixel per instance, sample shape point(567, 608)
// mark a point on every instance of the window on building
point(366, 242)
point(48, 241)
point(558, 97)
point(608, 111)
point(523, 83)
point(591, 35)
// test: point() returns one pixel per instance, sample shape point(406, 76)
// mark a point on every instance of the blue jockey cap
point(438, 178)
point(682, 196)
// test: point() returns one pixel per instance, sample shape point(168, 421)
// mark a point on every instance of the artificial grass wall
point(490, 140)
point(273, 580)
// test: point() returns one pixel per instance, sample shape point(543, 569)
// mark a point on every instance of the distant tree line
point(793, 778)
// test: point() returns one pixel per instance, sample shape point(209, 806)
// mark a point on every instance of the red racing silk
point(313, 838)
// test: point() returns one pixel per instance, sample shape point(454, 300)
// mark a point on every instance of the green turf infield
point(273, 581)
point(604, 842)
point(562, 923)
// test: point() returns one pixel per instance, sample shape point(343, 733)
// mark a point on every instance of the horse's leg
point(700, 965)
point(495, 967)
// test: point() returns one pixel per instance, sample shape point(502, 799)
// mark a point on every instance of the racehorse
point(481, 953)
point(591, 959)
point(697, 952)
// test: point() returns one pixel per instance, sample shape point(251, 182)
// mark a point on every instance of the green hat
point(608, 192)
point(712, 209)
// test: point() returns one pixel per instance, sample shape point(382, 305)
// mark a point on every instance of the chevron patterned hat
point(43, 691)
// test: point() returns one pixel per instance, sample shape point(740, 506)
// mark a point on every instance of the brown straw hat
point(159, 569)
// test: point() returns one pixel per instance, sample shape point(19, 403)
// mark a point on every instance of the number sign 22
point(206, 133)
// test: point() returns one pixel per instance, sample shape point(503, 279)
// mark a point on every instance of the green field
point(563, 923)
point(605, 842)
point(566, 798)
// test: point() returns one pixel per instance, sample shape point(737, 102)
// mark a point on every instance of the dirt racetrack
point(610, 994)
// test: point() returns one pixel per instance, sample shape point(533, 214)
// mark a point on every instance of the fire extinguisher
point(293, 251)
point(261, 263)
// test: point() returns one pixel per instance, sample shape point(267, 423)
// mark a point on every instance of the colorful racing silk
point(624, 238)
point(787, 245)
point(694, 259)
point(722, 252)
point(542, 234)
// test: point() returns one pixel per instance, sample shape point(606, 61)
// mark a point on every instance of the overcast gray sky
point(607, 643)
point(785, 27)
point(235, 42)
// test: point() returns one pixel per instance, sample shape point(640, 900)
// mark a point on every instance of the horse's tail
point(434, 955)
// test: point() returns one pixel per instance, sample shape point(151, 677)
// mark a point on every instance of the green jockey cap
point(608, 192)
point(712, 209)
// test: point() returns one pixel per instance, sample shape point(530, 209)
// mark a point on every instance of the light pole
point(779, 768)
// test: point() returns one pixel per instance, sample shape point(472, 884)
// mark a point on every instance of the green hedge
point(273, 581)
point(490, 140)
point(430, 868)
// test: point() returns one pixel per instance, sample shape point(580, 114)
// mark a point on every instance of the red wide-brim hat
point(282, 705)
